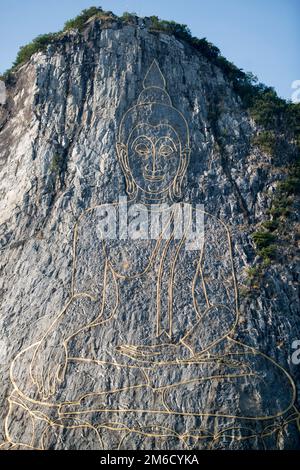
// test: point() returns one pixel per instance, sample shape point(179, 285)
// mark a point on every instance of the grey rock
point(58, 158)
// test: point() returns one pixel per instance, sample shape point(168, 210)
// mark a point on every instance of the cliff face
point(58, 158)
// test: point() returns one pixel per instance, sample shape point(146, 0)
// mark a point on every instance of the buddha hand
point(49, 364)
point(156, 353)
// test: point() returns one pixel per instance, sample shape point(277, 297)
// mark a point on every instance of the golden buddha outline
point(140, 385)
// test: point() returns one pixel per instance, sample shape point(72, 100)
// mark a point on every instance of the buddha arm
point(215, 293)
point(87, 305)
point(215, 299)
point(89, 277)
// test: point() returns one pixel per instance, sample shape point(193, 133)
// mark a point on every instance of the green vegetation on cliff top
point(267, 106)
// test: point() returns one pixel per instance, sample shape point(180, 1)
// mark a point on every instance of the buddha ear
point(131, 188)
point(177, 184)
point(185, 158)
point(123, 156)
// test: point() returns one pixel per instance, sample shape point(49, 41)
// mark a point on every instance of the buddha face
point(154, 156)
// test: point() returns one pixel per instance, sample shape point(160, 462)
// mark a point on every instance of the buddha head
point(153, 142)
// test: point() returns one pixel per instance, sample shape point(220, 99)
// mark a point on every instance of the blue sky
point(261, 36)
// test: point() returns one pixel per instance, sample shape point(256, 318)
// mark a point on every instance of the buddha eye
point(142, 149)
point(166, 150)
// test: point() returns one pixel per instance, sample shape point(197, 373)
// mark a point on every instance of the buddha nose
point(151, 167)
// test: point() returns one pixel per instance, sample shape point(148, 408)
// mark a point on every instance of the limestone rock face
point(90, 357)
